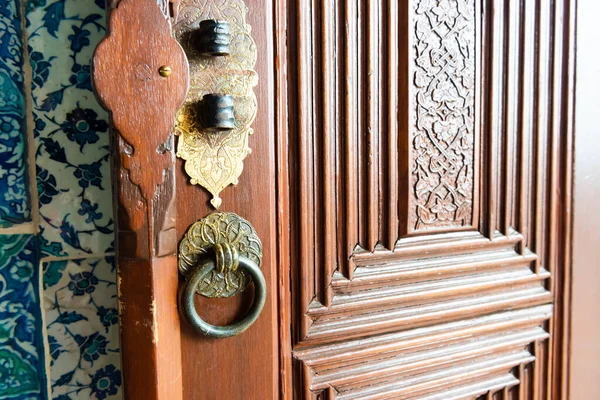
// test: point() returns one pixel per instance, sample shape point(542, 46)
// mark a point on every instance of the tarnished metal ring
point(189, 291)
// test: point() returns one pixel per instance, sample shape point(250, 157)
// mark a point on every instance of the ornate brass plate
point(216, 160)
point(199, 244)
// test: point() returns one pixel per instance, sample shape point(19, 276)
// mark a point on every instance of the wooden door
point(410, 180)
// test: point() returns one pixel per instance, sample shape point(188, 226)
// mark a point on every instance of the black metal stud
point(212, 38)
point(216, 112)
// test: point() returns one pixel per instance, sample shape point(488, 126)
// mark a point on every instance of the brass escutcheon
point(222, 57)
point(225, 238)
point(220, 256)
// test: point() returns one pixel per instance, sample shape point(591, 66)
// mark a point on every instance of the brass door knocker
point(220, 256)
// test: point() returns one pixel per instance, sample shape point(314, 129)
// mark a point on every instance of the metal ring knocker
point(210, 259)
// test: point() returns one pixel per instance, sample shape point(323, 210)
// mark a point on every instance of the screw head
point(165, 71)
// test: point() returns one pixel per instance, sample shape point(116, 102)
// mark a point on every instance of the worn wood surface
point(143, 104)
point(410, 180)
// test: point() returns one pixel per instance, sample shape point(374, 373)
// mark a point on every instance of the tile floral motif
point(80, 298)
point(14, 199)
point(70, 128)
point(21, 344)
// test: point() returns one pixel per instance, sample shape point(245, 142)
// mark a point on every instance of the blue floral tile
point(21, 332)
point(70, 128)
point(14, 198)
point(80, 298)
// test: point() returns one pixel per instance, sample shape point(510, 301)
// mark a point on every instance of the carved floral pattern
point(442, 134)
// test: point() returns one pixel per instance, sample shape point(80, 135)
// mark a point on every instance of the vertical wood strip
point(564, 235)
point(526, 111)
point(405, 96)
point(315, 145)
point(283, 199)
point(510, 109)
point(304, 132)
point(565, 291)
point(390, 133)
point(534, 129)
point(360, 110)
point(553, 149)
point(145, 180)
point(542, 124)
point(328, 132)
point(350, 132)
point(369, 124)
point(536, 381)
point(522, 383)
point(493, 119)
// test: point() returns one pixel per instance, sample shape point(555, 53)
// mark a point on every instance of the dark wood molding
point(367, 281)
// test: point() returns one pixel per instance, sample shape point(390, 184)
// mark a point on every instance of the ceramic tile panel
point(70, 128)
point(80, 301)
point(14, 204)
point(21, 333)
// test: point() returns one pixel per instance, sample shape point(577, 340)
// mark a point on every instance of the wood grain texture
point(247, 365)
point(125, 71)
point(469, 101)
point(283, 200)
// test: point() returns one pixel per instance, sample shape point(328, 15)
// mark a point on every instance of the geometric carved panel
point(425, 211)
point(462, 318)
point(442, 114)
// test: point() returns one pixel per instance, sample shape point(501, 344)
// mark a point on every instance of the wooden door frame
point(585, 295)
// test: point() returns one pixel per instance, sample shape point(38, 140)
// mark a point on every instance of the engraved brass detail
point(224, 237)
point(216, 160)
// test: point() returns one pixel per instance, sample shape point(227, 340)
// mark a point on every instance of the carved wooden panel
point(428, 197)
point(442, 113)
